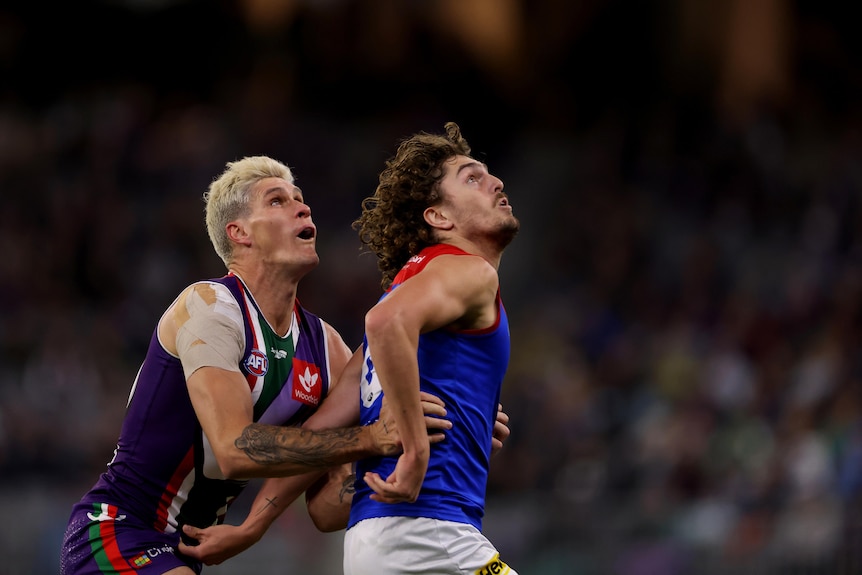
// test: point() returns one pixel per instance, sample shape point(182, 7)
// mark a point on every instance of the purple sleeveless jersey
point(163, 473)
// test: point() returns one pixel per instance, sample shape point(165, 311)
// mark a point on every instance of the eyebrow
point(279, 188)
point(471, 164)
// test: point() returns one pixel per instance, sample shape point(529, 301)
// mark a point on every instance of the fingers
point(385, 491)
point(374, 481)
point(432, 405)
point(501, 430)
point(436, 437)
point(379, 487)
point(437, 423)
point(502, 416)
point(191, 531)
point(430, 398)
point(190, 550)
point(434, 411)
point(501, 425)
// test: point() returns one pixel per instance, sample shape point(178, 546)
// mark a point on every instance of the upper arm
point(328, 500)
point(223, 405)
point(457, 291)
point(339, 354)
point(204, 329)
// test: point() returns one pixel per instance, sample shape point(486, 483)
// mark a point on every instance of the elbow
point(385, 324)
point(235, 465)
point(327, 525)
point(375, 322)
point(233, 472)
point(328, 518)
point(240, 457)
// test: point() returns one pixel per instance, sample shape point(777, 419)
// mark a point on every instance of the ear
point(237, 233)
point(436, 218)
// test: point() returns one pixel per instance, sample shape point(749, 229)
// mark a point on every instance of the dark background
point(684, 295)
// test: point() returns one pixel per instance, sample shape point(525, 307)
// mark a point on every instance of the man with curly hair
point(438, 223)
point(239, 382)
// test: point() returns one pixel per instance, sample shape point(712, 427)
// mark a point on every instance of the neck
point(487, 250)
point(275, 294)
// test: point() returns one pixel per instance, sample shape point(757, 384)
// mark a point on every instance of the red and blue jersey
point(465, 369)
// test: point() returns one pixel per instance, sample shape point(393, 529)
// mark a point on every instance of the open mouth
point(306, 233)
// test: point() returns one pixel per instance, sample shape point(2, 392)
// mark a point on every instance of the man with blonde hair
point(229, 390)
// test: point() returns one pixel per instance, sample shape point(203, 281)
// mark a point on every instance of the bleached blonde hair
point(227, 198)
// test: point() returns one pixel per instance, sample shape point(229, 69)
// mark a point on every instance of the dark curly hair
point(392, 224)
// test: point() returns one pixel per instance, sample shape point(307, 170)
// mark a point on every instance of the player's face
point(280, 226)
point(476, 202)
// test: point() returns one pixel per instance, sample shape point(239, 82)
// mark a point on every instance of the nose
point(304, 211)
point(496, 184)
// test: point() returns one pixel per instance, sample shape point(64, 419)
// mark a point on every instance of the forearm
point(218, 543)
point(397, 367)
point(273, 498)
point(275, 451)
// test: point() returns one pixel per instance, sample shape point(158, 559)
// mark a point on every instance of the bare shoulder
point(465, 291)
point(467, 270)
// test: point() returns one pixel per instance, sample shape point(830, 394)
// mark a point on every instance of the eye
point(275, 201)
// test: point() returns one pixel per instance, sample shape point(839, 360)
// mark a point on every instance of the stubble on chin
point(508, 231)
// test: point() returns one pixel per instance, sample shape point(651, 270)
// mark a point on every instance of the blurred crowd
point(684, 296)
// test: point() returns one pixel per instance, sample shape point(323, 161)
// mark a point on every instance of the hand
point(386, 432)
point(403, 484)
point(501, 430)
point(216, 543)
point(434, 410)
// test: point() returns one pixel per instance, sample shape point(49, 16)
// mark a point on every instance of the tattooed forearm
point(274, 445)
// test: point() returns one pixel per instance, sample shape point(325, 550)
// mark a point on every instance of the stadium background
point(684, 294)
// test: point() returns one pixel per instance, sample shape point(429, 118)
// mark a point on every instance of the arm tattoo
point(274, 445)
point(269, 503)
point(347, 488)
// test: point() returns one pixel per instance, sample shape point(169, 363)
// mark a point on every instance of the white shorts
point(401, 545)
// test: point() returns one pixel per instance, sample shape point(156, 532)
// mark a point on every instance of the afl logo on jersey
point(257, 363)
